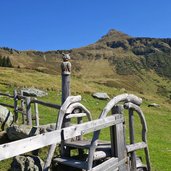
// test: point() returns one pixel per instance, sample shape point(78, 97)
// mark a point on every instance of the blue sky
point(65, 24)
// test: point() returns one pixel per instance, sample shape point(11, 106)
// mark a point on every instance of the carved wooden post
point(66, 71)
point(15, 106)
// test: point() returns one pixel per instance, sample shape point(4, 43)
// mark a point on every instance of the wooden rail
point(15, 148)
point(45, 104)
point(25, 107)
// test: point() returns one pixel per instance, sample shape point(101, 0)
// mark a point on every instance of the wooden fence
point(23, 104)
point(122, 156)
point(115, 156)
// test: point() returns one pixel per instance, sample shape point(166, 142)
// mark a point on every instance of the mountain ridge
point(120, 49)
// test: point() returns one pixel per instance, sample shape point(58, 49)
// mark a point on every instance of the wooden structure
point(93, 154)
point(113, 155)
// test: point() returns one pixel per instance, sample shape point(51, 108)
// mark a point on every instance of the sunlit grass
point(158, 119)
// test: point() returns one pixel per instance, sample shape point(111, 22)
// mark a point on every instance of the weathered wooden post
point(28, 111)
point(118, 139)
point(65, 73)
point(36, 110)
point(22, 107)
point(131, 134)
point(15, 106)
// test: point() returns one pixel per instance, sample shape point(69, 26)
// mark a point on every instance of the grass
point(158, 119)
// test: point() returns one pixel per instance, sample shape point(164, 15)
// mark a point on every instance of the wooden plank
point(15, 148)
point(7, 95)
point(76, 115)
point(46, 104)
point(29, 144)
point(118, 139)
point(36, 110)
point(136, 146)
point(109, 165)
point(92, 126)
point(85, 144)
point(7, 105)
point(71, 162)
point(131, 135)
point(28, 111)
point(102, 154)
point(15, 106)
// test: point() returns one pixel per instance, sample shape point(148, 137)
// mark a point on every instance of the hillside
point(127, 55)
point(116, 60)
point(116, 64)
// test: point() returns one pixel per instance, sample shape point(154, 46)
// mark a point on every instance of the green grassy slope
point(158, 119)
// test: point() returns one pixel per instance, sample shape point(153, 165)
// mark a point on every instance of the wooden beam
point(136, 146)
point(46, 104)
point(109, 165)
point(15, 148)
point(7, 105)
point(7, 95)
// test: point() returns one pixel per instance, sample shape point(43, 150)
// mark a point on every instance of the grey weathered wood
point(46, 104)
point(36, 110)
point(85, 144)
point(102, 154)
point(21, 96)
point(123, 97)
point(76, 115)
point(15, 106)
point(108, 107)
point(28, 111)
point(71, 162)
point(109, 165)
point(29, 144)
point(7, 105)
point(81, 107)
point(131, 135)
point(65, 87)
point(144, 130)
point(23, 108)
point(91, 126)
point(136, 146)
point(15, 148)
point(7, 95)
point(118, 138)
point(62, 112)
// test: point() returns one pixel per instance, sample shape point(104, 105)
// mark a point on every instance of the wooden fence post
point(131, 134)
point(66, 71)
point(118, 144)
point(36, 110)
point(15, 106)
point(22, 107)
point(28, 111)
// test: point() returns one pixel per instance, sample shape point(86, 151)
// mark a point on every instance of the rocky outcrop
point(153, 105)
point(27, 163)
point(17, 132)
point(6, 117)
point(101, 96)
point(33, 92)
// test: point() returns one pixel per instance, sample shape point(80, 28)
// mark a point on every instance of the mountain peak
point(114, 35)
